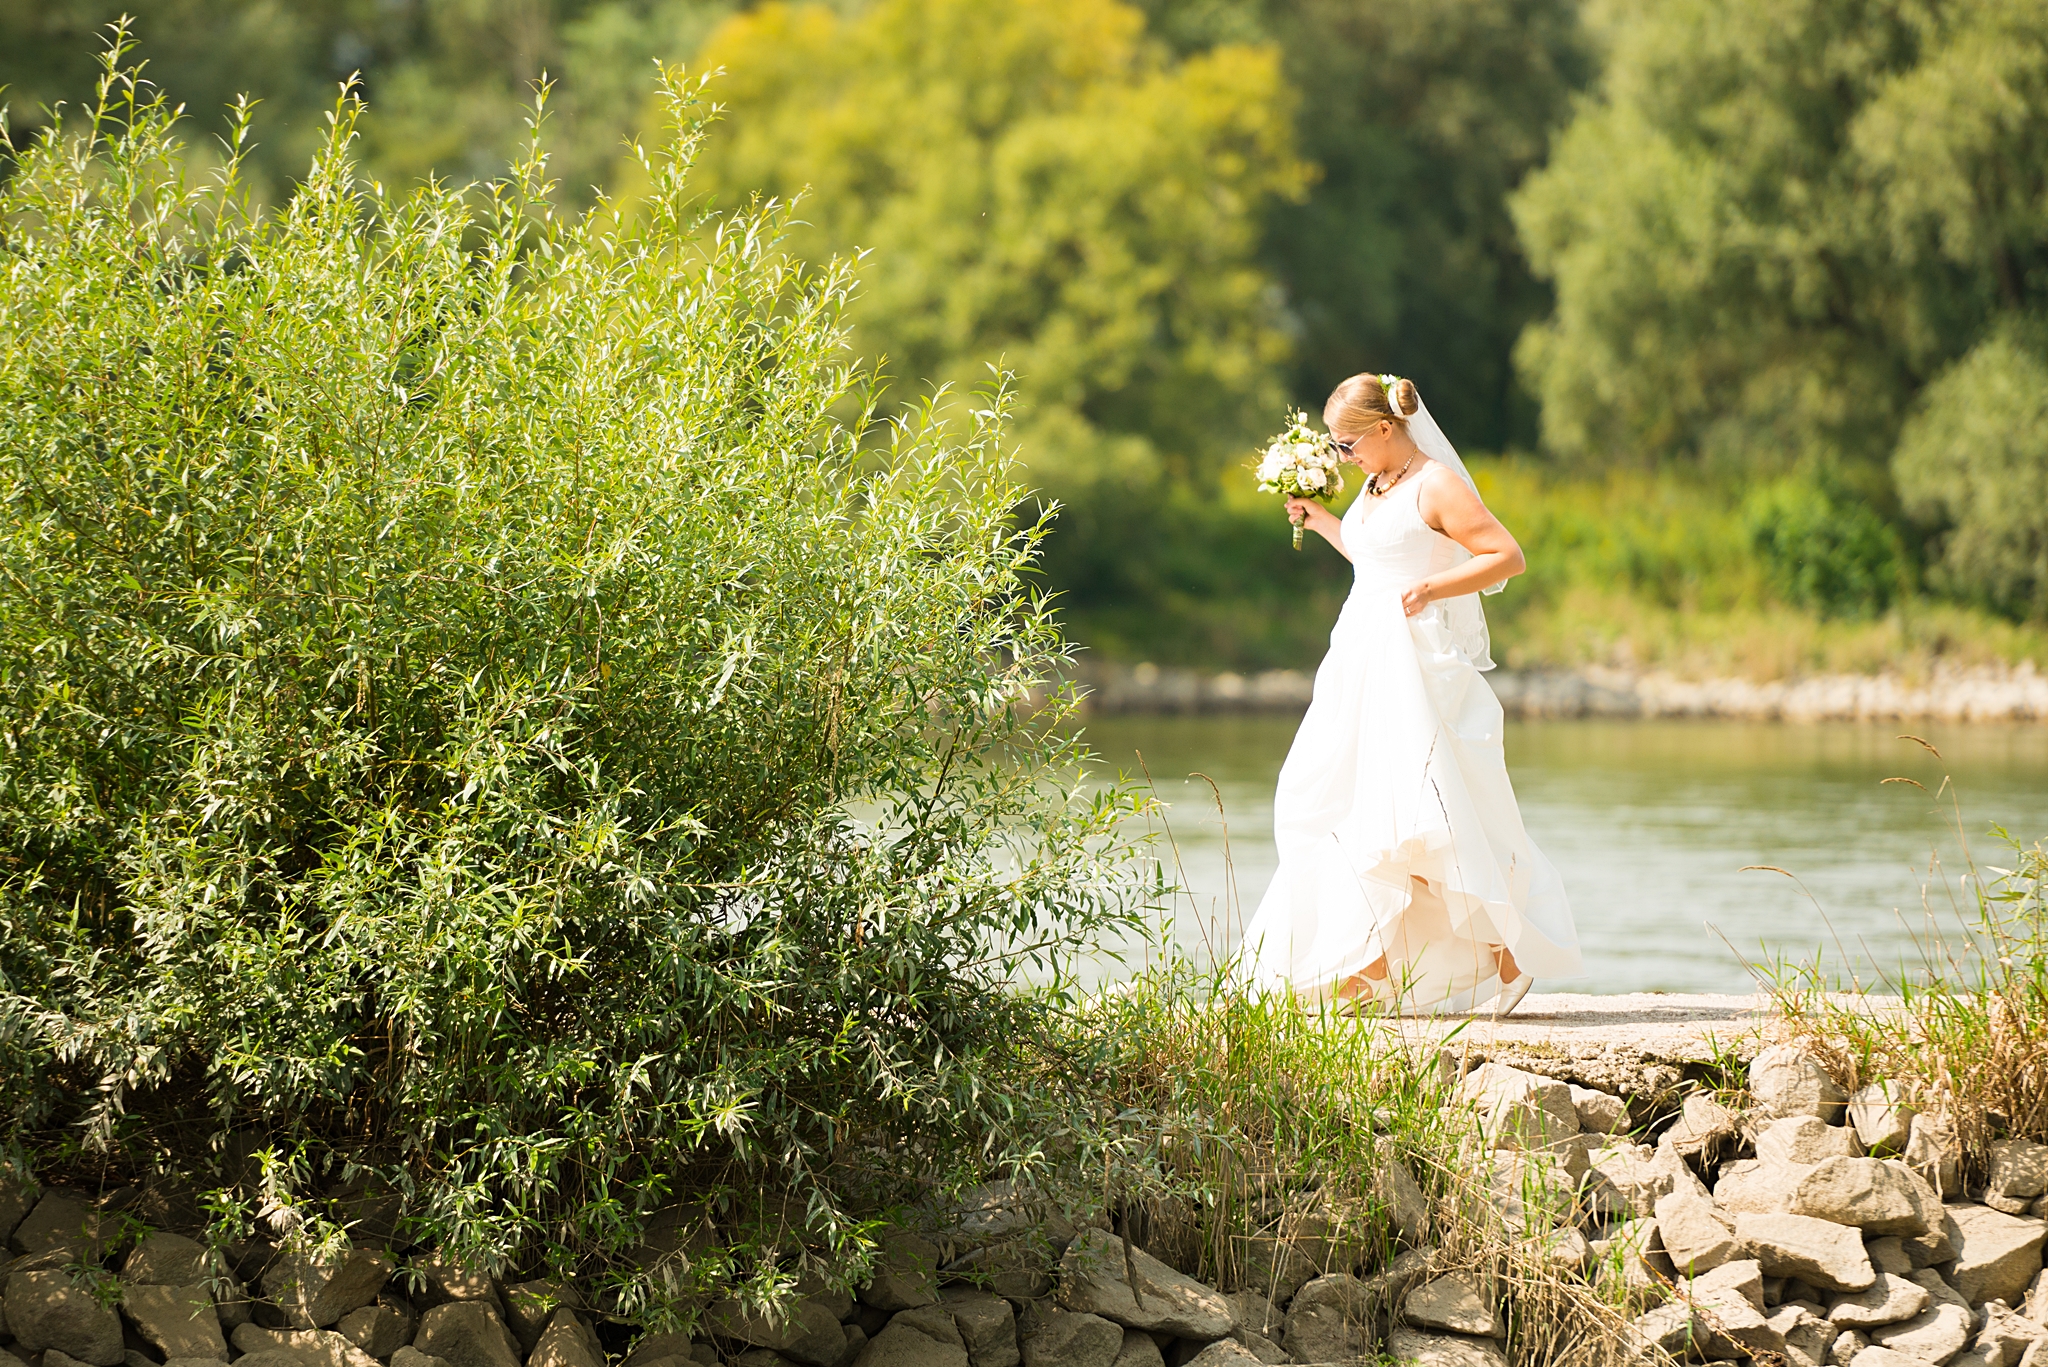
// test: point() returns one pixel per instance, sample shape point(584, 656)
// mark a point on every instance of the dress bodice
point(1390, 545)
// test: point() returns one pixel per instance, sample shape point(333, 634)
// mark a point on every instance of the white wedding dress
point(1397, 828)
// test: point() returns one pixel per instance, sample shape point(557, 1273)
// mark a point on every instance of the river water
point(1651, 823)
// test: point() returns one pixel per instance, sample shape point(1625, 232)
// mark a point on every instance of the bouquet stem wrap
point(1301, 463)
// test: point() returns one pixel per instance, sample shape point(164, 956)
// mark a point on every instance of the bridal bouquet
point(1301, 462)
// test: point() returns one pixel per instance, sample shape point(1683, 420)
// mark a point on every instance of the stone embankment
point(2019, 694)
point(1790, 1225)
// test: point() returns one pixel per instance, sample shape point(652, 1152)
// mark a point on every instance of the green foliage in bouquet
point(488, 719)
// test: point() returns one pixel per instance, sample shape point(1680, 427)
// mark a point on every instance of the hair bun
point(1406, 400)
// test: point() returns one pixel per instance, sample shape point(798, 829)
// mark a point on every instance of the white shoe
point(1511, 995)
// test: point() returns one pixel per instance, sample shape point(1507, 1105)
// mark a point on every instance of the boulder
point(468, 1334)
point(987, 1325)
point(46, 1310)
point(1426, 1349)
point(1997, 1255)
point(1455, 1303)
point(1598, 1112)
point(1803, 1140)
point(2035, 1306)
point(1787, 1080)
point(1257, 1313)
point(1734, 1328)
point(1755, 1186)
point(1019, 1269)
point(18, 1196)
point(650, 1349)
point(2004, 1336)
point(177, 1321)
point(1890, 1299)
point(1328, 1318)
point(1276, 1268)
point(401, 1357)
point(1407, 1206)
point(437, 1281)
point(808, 1332)
point(1806, 1333)
point(59, 1220)
point(381, 1329)
point(905, 1273)
point(1334, 1235)
point(1671, 1328)
point(1224, 1353)
point(1743, 1277)
point(306, 1347)
point(1139, 1350)
point(1876, 1356)
point(530, 1305)
point(1705, 1130)
point(1633, 1256)
point(1693, 1233)
point(1824, 1255)
point(315, 1291)
point(1876, 1196)
point(565, 1341)
point(1937, 1333)
point(1629, 1178)
point(1931, 1151)
point(1848, 1343)
point(1881, 1119)
point(1094, 1280)
point(1518, 1109)
point(2018, 1177)
point(168, 1260)
point(1058, 1340)
point(1565, 1249)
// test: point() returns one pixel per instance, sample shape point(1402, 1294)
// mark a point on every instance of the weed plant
point(1961, 1034)
point(444, 646)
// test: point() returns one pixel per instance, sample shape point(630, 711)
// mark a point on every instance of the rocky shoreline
point(2019, 694)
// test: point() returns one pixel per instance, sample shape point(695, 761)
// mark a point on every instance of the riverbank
point(1980, 693)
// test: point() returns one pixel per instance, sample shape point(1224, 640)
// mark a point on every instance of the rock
point(1881, 1120)
point(1693, 1233)
point(314, 1292)
point(1276, 1268)
point(1743, 1278)
point(1259, 1346)
point(530, 1305)
point(381, 1329)
point(1806, 1334)
point(1455, 1303)
point(1735, 1328)
point(1520, 1110)
point(565, 1341)
point(1442, 1350)
point(2004, 1336)
point(1256, 1312)
point(1565, 1249)
point(1407, 1206)
point(469, 1334)
point(1705, 1129)
point(1633, 1256)
point(58, 1221)
point(1787, 1080)
point(1937, 1333)
point(168, 1260)
point(1803, 1140)
point(650, 1349)
point(18, 1196)
point(1886, 1357)
point(1889, 1255)
point(1846, 1346)
point(1093, 1280)
point(45, 1310)
point(1598, 1112)
point(1139, 1351)
point(437, 1281)
point(1326, 1322)
point(905, 1274)
point(1671, 1328)
point(1019, 1269)
point(808, 1333)
point(704, 1355)
point(1753, 1185)
point(1334, 1236)
point(402, 1357)
point(177, 1321)
point(306, 1347)
point(1890, 1299)
point(2019, 1175)
point(987, 1325)
point(1059, 1340)
point(1870, 1193)
point(1931, 1152)
point(1636, 1176)
point(1997, 1255)
point(1823, 1255)
point(2035, 1306)
point(1224, 1353)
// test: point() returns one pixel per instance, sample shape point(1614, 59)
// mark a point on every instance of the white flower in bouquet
point(1300, 462)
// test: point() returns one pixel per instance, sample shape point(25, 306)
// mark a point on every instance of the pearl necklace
point(1378, 490)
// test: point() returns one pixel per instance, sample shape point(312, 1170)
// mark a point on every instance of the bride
point(1405, 877)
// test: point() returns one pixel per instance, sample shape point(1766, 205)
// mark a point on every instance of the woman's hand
point(1417, 596)
point(1311, 513)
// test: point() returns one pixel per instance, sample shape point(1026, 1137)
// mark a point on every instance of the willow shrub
point(488, 720)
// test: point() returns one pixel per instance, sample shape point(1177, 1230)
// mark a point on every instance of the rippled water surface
point(1650, 823)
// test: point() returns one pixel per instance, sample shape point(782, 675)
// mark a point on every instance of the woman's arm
point(1320, 520)
point(1448, 504)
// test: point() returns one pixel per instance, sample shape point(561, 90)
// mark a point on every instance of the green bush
point(1824, 548)
point(477, 725)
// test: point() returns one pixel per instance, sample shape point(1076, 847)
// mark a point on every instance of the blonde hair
point(1362, 400)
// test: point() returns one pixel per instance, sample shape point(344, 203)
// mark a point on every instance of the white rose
point(1312, 478)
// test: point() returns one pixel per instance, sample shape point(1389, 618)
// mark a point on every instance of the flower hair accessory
point(1387, 383)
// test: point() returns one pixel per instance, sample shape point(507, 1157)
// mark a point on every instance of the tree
point(1037, 183)
point(1776, 222)
point(487, 719)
